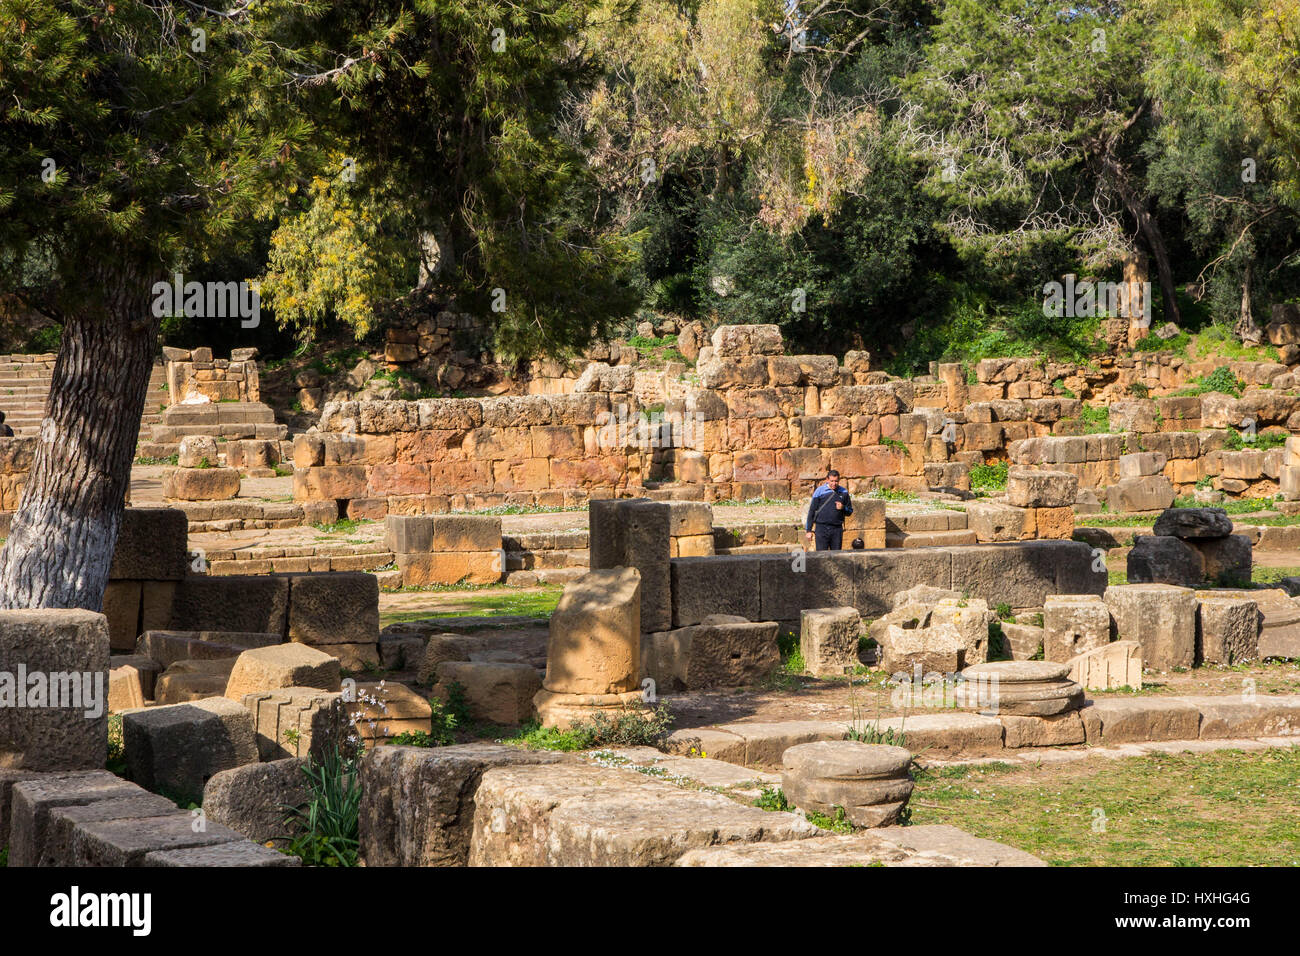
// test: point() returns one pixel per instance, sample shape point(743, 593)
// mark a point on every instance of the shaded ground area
point(1220, 809)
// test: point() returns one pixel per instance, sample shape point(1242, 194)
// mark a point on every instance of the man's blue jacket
point(822, 510)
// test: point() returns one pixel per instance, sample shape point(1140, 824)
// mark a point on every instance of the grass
point(523, 510)
point(1220, 380)
point(989, 477)
point(1094, 420)
point(500, 601)
point(1226, 808)
point(1263, 441)
point(1260, 575)
point(1218, 340)
point(342, 526)
point(892, 494)
point(658, 351)
point(1114, 521)
point(633, 727)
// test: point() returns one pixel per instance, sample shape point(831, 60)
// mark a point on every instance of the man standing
point(830, 505)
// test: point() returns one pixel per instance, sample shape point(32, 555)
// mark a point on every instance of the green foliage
point(341, 526)
point(894, 444)
point(116, 747)
point(327, 824)
point(1220, 380)
point(989, 477)
point(1094, 420)
point(446, 717)
point(45, 339)
point(835, 823)
point(773, 799)
point(1234, 440)
point(1154, 343)
point(485, 187)
point(633, 727)
point(1138, 390)
point(975, 327)
point(892, 494)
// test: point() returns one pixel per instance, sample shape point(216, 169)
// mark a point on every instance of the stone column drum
point(871, 782)
point(593, 661)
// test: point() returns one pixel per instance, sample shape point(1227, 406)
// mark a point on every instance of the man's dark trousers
point(829, 537)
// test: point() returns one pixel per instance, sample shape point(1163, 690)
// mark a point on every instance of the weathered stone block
point(722, 652)
point(635, 533)
point(298, 721)
point(177, 748)
point(1161, 559)
point(30, 802)
point(252, 799)
point(1032, 488)
point(720, 585)
point(417, 804)
point(201, 484)
point(828, 639)
point(498, 693)
point(1227, 630)
point(969, 620)
point(581, 815)
point(335, 608)
point(1140, 494)
point(53, 690)
point(283, 665)
point(1194, 524)
point(1125, 720)
point(1144, 464)
point(1108, 667)
point(151, 545)
point(595, 635)
point(252, 602)
point(1161, 617)
point(1074, 624)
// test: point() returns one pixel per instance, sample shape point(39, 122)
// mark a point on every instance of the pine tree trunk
point(61, 543)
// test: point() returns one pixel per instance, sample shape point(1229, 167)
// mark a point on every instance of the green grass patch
point(1218, 340)
point(341, 526)
point(501, 600)
point(892, 494)
point(1220, 380)
point(1260, 575)
point(1154, 343)
point(634, 727)
point(989, 477)
point(1225, 808)
point(1262, 441)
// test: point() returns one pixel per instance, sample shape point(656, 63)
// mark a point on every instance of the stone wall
point(756, 423)
point(191, 371)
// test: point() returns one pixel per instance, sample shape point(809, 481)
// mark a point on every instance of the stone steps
point(958, 736)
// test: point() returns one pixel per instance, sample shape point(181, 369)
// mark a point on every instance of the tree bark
point(1247, 329)
point(61, 542)
point(1150, 229)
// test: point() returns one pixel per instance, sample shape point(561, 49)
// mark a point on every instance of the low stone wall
point(757, 423)
point(772, 587)
point(196, 371)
